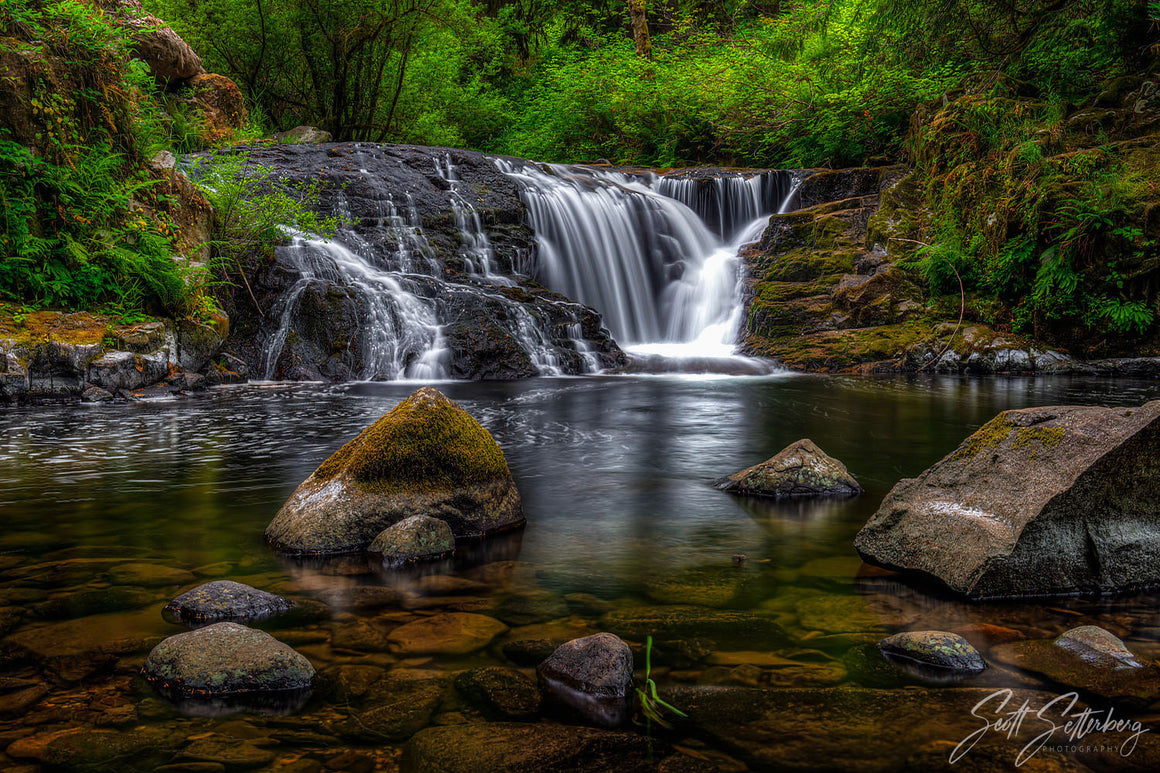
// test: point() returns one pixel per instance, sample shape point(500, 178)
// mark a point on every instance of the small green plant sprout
point(651, 704)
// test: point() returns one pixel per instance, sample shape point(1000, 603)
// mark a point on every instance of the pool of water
point(108, 511)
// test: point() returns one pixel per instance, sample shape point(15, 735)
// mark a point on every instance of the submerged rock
point(542, 748)
point(727, 628)
point(1097, 647)
point(418, 538)
point(449, 633)
point(226, 659)
point(799, 470)
point(224, 600)
point(501, 693)
point(397, 706)
point(1087, 658)
point(592, 675)
point(426, 456)
point(1040, 501)
point(937, 651)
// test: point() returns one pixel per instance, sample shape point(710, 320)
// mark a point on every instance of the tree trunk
point(636, 12)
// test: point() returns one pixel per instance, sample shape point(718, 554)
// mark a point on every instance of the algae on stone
point(427, 456)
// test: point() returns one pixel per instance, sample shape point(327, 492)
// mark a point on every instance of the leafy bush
point(82, 225)
point(253, 211)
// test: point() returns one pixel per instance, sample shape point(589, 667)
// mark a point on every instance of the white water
point(639, 250)
point(657, 257)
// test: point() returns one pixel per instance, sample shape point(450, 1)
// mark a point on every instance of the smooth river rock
point(1088, 658)
point(799, 470)
point(224, 600)
point(226, 659)
point(418, 538)
point(427, 456)
point(591, 675)
point(936, 650)
point(1040, 501)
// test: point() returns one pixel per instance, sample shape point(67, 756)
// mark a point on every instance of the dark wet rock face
point(429, 276)
point(1040, 501)
point(225, 600)
point(800, 470)
point(418, 538)
point(938, 652)
point(428, 456)
point(591, 675)
point(226, 659)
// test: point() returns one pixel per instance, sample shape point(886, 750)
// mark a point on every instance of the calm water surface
point(108, 511)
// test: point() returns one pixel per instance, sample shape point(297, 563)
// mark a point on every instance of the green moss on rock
point(427, 456)
point(425, 442)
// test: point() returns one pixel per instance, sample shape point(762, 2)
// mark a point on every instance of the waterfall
point(398, 331)
point(656, 256)
point(427, 278)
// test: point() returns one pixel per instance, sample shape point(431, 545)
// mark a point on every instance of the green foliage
point(71, 238)
point(253, 211)
point(651, 704)
point(1049, 234)
point(79, 227)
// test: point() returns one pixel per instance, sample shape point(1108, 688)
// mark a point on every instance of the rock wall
point(50, 356)
point(443, 230)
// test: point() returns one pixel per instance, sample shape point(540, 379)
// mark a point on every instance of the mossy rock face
point(226, 659)
point(1039, 501)
point(427, 456)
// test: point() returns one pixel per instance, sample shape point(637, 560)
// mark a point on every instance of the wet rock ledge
point(50, 356)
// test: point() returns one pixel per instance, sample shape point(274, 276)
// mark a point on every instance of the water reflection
point(111, 510)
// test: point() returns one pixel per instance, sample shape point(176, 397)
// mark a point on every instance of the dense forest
point(1033, 193)
point(814, 83)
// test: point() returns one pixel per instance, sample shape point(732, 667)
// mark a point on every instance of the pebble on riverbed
point(224, 600)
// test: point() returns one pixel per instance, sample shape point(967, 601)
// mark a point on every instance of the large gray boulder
point(427, 456)
point(1040, 501)
point(170, 59)
point(799, 470)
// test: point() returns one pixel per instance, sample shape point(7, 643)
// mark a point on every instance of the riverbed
point(110, 510)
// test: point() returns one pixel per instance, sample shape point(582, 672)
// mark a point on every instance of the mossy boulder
point(1039, 501)
point(799, 470)
point(427, 456)
point(226, 659)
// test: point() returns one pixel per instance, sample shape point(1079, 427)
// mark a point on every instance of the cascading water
point(428, 278)
point(657, 256)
